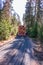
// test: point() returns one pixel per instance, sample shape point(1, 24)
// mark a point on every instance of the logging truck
point(21, 30)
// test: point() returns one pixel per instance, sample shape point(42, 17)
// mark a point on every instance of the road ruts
point(19, 52)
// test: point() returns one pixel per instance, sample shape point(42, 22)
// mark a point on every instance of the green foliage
point(32, 31)
point(36, 31)
point(13, 30)
point(0, 15)
point(8, 24)
point(40, 32)
point(5, 29)
point(14, 24)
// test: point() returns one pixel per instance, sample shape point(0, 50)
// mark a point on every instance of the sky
point(1, 4)
point(19, 7)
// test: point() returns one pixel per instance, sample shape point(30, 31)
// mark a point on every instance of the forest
point(32, 18)
point(8, 21)
point(22, 49)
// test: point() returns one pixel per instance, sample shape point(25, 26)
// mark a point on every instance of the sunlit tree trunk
point(6, 8)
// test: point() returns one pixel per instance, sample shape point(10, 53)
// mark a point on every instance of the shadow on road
point(17, 51)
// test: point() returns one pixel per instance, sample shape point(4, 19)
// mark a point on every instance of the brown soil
point(6, 41)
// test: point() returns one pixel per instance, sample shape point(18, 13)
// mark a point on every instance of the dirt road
point(18, 52)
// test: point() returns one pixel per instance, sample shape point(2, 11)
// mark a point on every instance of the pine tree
point(30, 12)
point(6, 9)
point(27, 12)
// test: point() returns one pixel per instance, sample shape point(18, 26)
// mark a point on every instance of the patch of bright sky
point(19, 7)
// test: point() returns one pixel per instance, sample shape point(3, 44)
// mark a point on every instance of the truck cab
point(21, 30)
